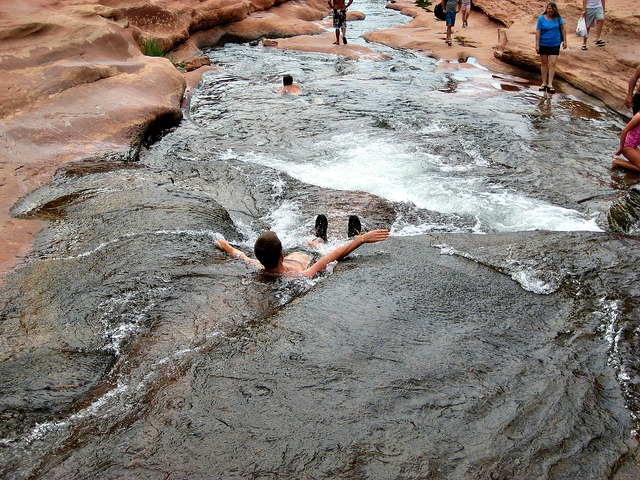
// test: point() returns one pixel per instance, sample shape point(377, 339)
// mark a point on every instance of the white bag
point(581, 29)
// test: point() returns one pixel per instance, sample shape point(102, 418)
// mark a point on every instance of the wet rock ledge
point(75, 83)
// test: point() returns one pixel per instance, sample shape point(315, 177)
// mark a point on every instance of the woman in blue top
point(550, 34)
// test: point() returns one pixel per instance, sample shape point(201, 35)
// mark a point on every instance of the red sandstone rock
point(197, 63)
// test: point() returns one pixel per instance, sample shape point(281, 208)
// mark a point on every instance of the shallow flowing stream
point(493, 336)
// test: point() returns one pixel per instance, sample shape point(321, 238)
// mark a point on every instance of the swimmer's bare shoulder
point(291, 89)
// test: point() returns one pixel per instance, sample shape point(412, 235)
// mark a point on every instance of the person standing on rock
point(466, 11)
point(633, 99)
point(451, 7)
point(550, 34)
point(340, 19)
point(629, 142)
point(593, 12)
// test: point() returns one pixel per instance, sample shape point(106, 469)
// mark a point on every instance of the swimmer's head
point(268, 249)
point(287, 80)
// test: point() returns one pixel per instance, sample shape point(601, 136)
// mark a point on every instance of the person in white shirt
point(593, 12)
point(465, 10)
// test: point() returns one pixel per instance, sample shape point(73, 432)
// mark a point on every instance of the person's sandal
point(355, 228)
point(584, 47)
point(551, 90)
point(321, 227)
point(600, 43)
point(542, 88)
point(344, 39)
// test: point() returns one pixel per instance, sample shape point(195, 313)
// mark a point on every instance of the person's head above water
point(270, 256)
point(268, 249)
point(287, 80)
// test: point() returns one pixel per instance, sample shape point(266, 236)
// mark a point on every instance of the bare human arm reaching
point(223, 245)
point(632, 85)
point(294, 268)
point(339, 253)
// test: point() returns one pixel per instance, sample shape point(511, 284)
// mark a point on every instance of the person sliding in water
point(288, 86)
point(340, 19)
point(270, 256)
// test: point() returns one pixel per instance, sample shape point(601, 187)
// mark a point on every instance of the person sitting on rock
point(629, 142)
point(270, 255)
point(289, 87)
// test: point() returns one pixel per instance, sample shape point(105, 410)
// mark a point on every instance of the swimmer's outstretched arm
point(223, 245)
point(339, 253)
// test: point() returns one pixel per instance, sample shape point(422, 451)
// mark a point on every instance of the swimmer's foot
point(355, 228)
point(321, 227)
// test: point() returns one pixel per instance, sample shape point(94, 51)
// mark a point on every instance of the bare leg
point(448, 33)
point(337, 36)
point(544, 69)
point(599, 25)
point(344, 35)
point(552, 69)
point(631, 160)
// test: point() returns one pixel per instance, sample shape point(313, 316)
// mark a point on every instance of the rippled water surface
point(448, 137)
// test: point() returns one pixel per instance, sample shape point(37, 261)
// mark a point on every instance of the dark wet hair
point(556, 13)
point(287, 80)
point(268, 249)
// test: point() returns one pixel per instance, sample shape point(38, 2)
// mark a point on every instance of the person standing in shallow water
point(340, 19)
point(550, 34)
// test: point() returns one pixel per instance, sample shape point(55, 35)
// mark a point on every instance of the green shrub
point(152, 48)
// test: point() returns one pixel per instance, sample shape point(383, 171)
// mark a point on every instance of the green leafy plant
point(152, 48)
point(424, 4)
